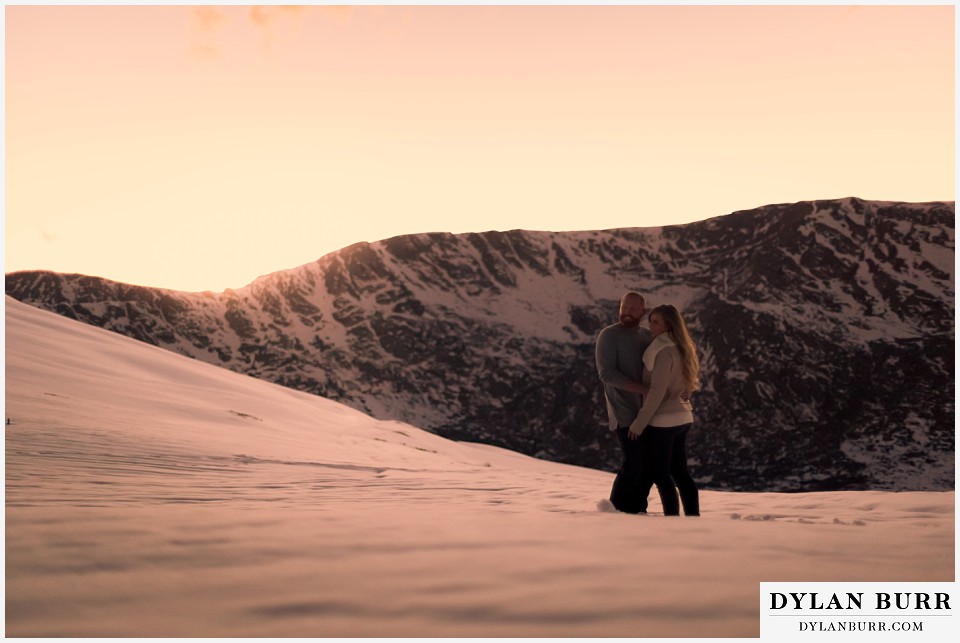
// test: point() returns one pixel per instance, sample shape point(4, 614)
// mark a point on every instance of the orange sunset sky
point(199, 148)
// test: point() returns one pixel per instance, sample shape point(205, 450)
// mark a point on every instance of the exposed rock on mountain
point(826, 332)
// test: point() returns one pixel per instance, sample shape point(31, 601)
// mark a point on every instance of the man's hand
point(636, 387)
point(643, 389)
point(635, 431)
point(685, 396)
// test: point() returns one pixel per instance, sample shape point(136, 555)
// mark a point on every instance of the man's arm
point(607, 366)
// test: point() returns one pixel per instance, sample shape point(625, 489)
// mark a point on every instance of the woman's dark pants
point(664, 463)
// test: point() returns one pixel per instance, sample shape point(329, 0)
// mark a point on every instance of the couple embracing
point(648, 375)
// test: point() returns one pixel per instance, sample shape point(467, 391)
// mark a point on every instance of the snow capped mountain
point(826, 332)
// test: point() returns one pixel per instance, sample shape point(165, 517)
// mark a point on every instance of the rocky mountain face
point(826, 334)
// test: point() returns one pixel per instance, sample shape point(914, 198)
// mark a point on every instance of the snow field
point(153, 495)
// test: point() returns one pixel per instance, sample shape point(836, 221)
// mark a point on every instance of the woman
point(670, 367)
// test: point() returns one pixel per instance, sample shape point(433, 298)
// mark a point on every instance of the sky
point(198, 148)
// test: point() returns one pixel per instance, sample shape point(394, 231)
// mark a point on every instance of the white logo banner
point(858, 611)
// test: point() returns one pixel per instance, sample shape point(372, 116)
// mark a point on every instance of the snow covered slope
point(152, 495)
point(826, 330)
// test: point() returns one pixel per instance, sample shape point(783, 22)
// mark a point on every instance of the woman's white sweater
point(663, 372)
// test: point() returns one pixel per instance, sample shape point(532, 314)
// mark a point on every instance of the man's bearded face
point(632, 311)
point(629, 320)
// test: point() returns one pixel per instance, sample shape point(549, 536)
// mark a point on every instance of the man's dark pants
point(625, 494)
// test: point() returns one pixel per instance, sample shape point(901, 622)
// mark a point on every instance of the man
point(619, 356)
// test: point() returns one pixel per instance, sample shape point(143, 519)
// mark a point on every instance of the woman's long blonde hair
point(678, 332)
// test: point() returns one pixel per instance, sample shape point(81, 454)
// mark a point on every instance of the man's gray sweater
point(620, 358)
